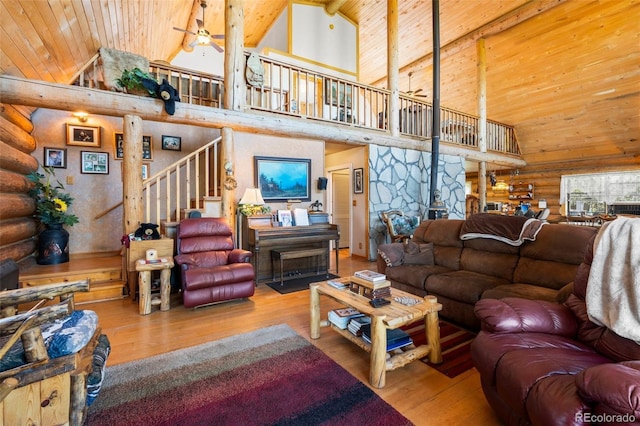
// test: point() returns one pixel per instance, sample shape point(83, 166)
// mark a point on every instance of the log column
point(133, 209)
point(482, 122)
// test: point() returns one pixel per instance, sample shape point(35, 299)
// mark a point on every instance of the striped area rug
point(455, 343)
point(271, 376)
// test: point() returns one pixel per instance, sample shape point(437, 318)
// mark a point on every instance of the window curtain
point(604, 187)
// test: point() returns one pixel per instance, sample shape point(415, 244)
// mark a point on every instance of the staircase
point(104, 274)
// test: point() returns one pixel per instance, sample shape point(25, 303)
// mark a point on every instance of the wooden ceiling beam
point(41, 94)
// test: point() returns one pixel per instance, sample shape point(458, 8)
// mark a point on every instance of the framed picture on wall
point(55, 157)
point(171, 143)
point(83, 135)
point(147, 147)
point(96, 163)
point(282, 179)
point(358, 183)
point(146, 171)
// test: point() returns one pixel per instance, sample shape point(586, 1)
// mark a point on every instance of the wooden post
point(132, 182)
point(165, 289)
point(132, 173)
point(228, 195)
point(378, 367)
point(314, 298)
point(393, 114)
point(432, 330)
point(234, 59)
point(482, 122)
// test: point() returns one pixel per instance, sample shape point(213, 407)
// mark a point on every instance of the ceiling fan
point(203, 37)
point(413, 92)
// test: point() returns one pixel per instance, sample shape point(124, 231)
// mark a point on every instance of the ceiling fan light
point(203, 39)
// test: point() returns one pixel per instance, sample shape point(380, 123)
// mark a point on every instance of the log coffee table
point(387, 317)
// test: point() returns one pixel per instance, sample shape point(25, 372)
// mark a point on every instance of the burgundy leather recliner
point(544, 363)
point(211, 268)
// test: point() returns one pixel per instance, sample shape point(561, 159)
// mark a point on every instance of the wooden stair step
point(104, 274)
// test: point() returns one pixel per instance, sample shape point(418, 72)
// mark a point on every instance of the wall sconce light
point(81, 116)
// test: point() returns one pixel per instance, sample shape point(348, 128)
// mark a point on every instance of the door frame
point(329, 173)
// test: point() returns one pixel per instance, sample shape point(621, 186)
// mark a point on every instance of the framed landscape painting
point(282, 179)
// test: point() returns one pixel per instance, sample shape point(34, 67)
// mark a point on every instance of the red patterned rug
point(265, 377)
point(455, 343)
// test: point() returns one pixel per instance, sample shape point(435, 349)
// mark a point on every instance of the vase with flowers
point(52, 205)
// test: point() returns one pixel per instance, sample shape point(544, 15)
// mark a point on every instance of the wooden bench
point(283, 255)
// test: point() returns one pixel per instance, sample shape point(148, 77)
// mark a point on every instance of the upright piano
point(263, 239)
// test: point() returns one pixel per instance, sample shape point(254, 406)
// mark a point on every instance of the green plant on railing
point(131, 81)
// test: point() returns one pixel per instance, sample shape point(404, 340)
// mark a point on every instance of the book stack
point(341, 317)
point(370, 284)
point(395, 338)
point(339, 283)
point(355, 324)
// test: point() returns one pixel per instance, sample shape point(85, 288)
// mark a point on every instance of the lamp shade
point(252, 196)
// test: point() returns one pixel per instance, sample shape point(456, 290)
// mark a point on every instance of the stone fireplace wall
point(400, 179)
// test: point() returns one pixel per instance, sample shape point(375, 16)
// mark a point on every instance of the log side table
point(144, 281)
point(390, 316)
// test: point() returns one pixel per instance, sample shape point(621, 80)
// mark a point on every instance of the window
point(589, 194)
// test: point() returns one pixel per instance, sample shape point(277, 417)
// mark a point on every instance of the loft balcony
point(305, 94)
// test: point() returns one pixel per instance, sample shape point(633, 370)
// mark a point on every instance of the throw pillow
point(418, 254)
point(391, 253)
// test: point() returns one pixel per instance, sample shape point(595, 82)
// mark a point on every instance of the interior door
point(340, 205)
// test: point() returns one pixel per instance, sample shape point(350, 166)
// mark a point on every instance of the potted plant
point(52, 212)
point(131, 82)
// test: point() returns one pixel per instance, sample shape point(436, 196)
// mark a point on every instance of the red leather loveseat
point(545, 363)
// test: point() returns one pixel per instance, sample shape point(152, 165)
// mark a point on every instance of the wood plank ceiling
point(553, 64)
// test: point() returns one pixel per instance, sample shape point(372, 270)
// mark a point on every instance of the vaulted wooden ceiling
point(564, 72)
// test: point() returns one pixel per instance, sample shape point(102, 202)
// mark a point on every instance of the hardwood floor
point(419, 392)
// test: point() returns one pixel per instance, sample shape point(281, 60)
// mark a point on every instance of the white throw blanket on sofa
point(613, 290)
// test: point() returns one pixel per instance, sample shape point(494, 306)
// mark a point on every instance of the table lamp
point(251, 202)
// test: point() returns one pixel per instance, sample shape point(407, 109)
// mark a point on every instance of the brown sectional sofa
point(464, 271)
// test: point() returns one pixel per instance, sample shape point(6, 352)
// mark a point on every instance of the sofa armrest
point(184, 260)
point(615, 388)
point(240, 256)
point(516, 315)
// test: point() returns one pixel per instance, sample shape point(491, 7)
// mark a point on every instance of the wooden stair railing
point(191, 178)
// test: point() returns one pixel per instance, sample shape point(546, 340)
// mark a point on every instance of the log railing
point(309, 94)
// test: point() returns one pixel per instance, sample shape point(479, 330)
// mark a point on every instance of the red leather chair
point(212, 270)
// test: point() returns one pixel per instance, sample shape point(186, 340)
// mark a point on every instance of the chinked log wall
point(17, 227)
point(546, 179)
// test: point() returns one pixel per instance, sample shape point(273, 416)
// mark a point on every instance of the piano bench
point(283, 255)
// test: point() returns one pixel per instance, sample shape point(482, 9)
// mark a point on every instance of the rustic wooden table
point(144, 282)
point(390, 316)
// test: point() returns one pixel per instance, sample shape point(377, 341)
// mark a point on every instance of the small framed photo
point(358, 181)
point(55, 157)
point(92, 162)
point(88, 136)
point(146, 171)
point(147, 147)
point(171, 143)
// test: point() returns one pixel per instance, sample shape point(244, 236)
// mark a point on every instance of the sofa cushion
point(444, 236)
point(500, 265)
point(418, 254)
point(61, 337)
point(414, 275)
point(217, 276)
point(465, 286)
point(526, 291)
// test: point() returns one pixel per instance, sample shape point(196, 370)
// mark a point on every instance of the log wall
point(17, 226)
point(547, 180)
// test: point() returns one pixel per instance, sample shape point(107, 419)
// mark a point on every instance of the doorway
point(339, 200)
